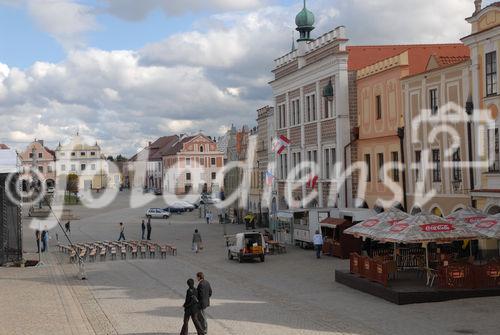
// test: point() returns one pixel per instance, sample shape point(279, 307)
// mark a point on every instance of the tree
point(110, 158)
point(121, 158)
point(72, 183)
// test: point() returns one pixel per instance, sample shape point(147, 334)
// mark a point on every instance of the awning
point(332, 222)
point(285, 215)
point(249, 217)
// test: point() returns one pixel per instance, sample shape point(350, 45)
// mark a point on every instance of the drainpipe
point(401, 135)
point(469, 108)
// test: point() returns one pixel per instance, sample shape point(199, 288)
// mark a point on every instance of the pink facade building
point(42, 159)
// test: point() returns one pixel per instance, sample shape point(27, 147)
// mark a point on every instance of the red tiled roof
point(450, 60)
point(362, 56)
point(3, 146)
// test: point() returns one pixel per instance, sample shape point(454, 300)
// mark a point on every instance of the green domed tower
point(305, 23)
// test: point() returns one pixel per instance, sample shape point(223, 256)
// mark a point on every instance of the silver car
point(157, 213)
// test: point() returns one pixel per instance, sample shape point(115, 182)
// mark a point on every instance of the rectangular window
point(188, 161)
point(297, 111)
point(315, 156)
point(40, 169)
point(433, 101)
point(368, 163)
point(313, 107)
point(63, 167)
point(82, 153)
point(493, 149)
point(73, 154)
point(188, 176)
point(457, 172)
point(214, 175)
point(436, 162)
point(212, 161)
point(49, 168)
point(40, 155)
point(62, 154)
point(380, 159)
point(378, 106)
point(308, 109)
point(31, 155)
point(285, 158)
point(327, 163)
point(92, 153)
point(83, 167)
point(92, 167)
point(491, 73)
point(202, 161)
point(73, 167)
point(326, 107)
point(418, 162)
point(395, 168)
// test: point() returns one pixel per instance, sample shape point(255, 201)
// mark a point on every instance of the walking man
point(207, 217)
point(191, 309)
point(45, 240)
point(122, 232)
point(318, 243)
point(204, 295)
point(143, 229)
point(196, 241)
point(37, 237)
point(67, 226)
point(149, 229)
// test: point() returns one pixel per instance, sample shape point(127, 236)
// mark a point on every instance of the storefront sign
point(474, 219)
point(437, 227)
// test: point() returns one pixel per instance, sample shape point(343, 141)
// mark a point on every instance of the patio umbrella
point(488, 227)
point(425, 227)
point(469, 215)
point(372, 227)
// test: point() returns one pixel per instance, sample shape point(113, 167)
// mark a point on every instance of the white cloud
point(212, 75)
point(138, 9)
point(65, 20)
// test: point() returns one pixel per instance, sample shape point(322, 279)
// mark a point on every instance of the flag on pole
point(280, 144)
point(312, 181)
point(269, 178)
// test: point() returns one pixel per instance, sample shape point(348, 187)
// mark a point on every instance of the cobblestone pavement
point(288, 294)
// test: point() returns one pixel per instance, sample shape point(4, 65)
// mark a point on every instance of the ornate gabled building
point(311, 91)
point(191, 164)
point(37, 156)
point(83, 159)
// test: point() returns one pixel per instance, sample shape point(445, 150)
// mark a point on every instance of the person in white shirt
point(318, 243)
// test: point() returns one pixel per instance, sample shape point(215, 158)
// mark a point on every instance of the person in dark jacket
point(191, 309)
point(148, 226)
point(204, 295)
point(143, 229)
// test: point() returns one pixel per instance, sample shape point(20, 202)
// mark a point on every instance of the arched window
point(201, 148)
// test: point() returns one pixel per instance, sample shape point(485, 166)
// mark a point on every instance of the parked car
point(157, 213)
point(158, 191)
point(245, 246)
point(179, 207)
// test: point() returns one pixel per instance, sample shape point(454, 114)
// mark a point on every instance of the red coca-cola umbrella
point(372, 227)
point(425, 227)
point(468, 215)
point(488, 227)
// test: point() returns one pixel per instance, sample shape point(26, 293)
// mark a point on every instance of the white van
point(244, 246)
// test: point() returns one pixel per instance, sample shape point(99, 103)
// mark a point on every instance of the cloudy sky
point(127, 71)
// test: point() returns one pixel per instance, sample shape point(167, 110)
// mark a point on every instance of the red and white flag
point(312, 181)
point(280, 144)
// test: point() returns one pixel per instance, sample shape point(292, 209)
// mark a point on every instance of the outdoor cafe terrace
point(424, 254)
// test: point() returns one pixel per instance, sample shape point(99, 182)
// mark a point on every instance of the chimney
point(149, 143)
point(478, 4)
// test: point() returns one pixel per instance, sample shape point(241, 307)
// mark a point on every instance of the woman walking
point(196, 241)
point(191, 309)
